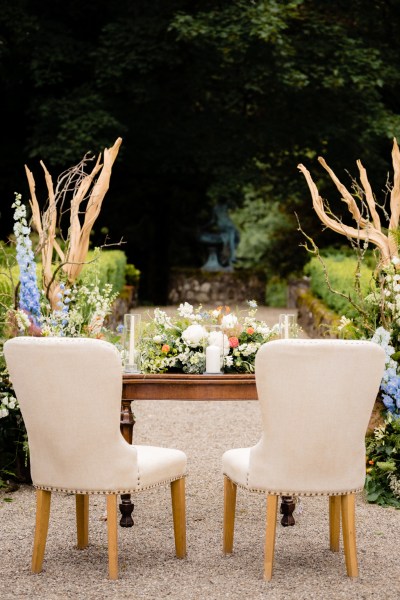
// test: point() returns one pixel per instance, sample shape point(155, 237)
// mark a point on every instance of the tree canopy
point(209, 97)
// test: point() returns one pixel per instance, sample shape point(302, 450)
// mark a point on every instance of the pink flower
point(250, 330)
point(233, 342)
point(165, 348)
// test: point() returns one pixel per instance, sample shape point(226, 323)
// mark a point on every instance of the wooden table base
point(179, 386)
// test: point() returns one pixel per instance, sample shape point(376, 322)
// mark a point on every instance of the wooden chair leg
point(272, 510)
point(179, 516)
point(43, 498)
point(82, 519)
point(334, 523)
point(112, 536)
point(230, 489)
point(349, 534)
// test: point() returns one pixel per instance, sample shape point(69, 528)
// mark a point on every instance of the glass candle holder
point(131, 341)
point(215, 346)
point(287, 326)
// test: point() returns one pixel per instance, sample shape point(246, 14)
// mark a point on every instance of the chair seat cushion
point(159, 465)
point(235, 465)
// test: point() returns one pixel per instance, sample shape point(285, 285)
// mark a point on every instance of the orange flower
point(370, 462)
point(250, 330)
point(233, 342)
point(165, 348)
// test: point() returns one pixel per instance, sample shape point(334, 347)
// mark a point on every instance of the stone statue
point(222, 239)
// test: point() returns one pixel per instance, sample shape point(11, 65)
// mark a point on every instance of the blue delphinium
point(29, 296)
point(391, 395)
point(390, 385)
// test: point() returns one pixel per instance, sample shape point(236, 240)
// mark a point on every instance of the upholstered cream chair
point(316, 400)
point(69, 391)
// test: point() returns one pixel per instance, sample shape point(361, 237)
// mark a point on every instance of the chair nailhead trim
point(292, 493)
point(102, 492)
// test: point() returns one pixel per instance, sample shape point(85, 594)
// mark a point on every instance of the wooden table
point(180, 386)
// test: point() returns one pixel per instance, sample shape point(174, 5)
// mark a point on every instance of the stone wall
point(227, 288)
point(313, 315)
point(122, 305)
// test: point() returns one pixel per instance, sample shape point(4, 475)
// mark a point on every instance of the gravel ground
point(304, 566)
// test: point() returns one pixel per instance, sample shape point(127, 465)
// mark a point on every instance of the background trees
point(213, 99)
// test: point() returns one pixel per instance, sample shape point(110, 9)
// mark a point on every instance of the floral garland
point(178, 343)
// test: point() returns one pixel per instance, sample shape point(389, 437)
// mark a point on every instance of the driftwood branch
point(89, 188)
point(313, 249)
point(368, 228)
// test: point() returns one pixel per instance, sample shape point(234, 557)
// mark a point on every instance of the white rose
point(229, 321)
point(194, 335)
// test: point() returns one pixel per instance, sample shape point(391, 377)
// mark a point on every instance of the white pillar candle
point(213, 359)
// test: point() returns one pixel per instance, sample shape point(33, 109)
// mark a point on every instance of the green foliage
point(276, 292)
point(265, 83)
point(345, 275)
point(107, 266)
point(264, 228)
point(132, 275)
point(13, 437)
point(383, 464)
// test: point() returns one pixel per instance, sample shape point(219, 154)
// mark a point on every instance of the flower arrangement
point(377, 312)
point(383, 463)
point(77, 309)
point(177, 343)
point(80, 309)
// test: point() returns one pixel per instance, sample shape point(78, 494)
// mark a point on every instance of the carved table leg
point(288, 505)
point(126, 425)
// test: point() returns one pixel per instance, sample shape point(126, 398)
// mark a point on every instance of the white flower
point(161, 318)
point(215, 314)
point(252, 303)
point(157, 339)
point(185, 310)
point(344, 321)
point(229, 321)
point(228, 361)
point(194, 335)
point(217, 338)
point(3, 413)
point(395, 260)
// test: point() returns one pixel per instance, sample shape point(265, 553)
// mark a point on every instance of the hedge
point(109, 267)
point(342, 272)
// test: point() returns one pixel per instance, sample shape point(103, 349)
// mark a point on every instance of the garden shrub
point(342, 272)
point(110, 268)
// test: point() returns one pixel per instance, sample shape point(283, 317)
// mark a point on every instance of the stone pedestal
point(227, 288)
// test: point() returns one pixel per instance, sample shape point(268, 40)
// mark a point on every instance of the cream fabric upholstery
point(316, 400)
point(69, 391)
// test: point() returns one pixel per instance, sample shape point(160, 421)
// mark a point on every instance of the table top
point(182, 386)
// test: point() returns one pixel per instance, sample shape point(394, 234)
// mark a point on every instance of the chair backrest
point(316, 400)
point(69, 391)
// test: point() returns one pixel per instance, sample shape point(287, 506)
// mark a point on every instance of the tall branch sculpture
point(368, 227)
point(86, 187)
